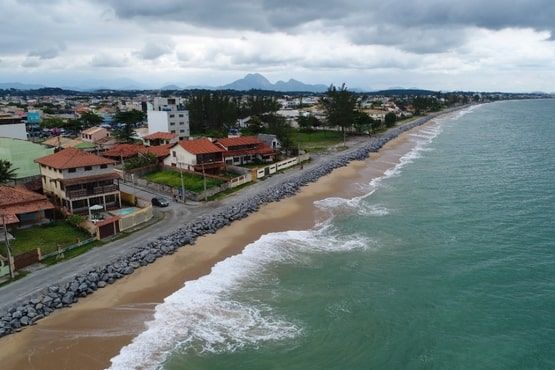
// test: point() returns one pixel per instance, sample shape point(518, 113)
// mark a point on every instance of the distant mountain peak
point(256, 81)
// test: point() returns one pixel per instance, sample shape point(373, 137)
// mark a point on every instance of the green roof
point(21, 154)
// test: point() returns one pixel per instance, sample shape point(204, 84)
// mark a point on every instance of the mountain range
point(252, 81)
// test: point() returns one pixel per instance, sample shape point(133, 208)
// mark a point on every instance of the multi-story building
point(244, 150)
point(12, 126)
point(169, 115)
point(76, 180)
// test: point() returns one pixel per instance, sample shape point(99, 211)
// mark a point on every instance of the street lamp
point(180, 166)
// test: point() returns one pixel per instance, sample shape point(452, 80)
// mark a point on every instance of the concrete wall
point(176, 122)
point(15, 131)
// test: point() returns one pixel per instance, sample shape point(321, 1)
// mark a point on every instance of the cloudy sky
point(505, 45)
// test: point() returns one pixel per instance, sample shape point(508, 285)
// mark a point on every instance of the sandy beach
point(92, 331)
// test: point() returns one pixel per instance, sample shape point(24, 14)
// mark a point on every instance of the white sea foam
point(203, 315)
point(422, 138)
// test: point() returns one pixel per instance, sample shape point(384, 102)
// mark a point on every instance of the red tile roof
point(72, 158)
point(160, 136)
point(236, 141)
point(123, 151)
point(260, 149)
point(18, 200)
point(131, 150)
point(200, 146)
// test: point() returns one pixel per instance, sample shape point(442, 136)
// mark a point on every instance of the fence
point(238, 181)
point(273, 168)
point(66, 249)
point(26, 259)
point(135, 218)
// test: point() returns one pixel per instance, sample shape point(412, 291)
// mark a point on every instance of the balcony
point(97, 190)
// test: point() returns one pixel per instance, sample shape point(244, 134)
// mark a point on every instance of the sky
point(485, 45)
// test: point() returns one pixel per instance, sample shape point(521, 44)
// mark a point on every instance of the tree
point(390, 119)
point(52, 122)
point(339, 106)
point(7, 173)
point(255, 125)
point(362, 122)
point(90, 119)
point(129, 120)
point(278, 126)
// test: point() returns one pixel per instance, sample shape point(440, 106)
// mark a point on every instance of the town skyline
point(369, 46)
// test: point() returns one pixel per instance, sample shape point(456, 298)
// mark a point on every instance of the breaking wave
point(422, 138)
point(205, 317)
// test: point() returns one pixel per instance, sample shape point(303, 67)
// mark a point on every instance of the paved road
point(176, 214)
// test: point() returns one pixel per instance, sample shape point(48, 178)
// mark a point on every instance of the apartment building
point(75, 180)
point(169, 115)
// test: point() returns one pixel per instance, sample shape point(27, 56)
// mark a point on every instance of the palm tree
point(7, 173)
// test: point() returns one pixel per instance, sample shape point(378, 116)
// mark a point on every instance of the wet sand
point(92, 331)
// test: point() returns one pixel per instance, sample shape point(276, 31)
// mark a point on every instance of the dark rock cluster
point(63, 295)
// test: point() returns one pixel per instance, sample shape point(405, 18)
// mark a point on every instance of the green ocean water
point(447, 263)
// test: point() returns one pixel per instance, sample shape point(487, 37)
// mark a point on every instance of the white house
point(196, 155)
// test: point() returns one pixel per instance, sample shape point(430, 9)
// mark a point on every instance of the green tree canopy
point(339, 106)
point(90, 119)
point(7, 172)
point(129, 120)
point(390, 119)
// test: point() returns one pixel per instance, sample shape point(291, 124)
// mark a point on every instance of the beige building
point(94, 134)
point(75, 181)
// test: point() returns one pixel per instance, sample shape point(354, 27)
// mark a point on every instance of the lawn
point(317, 140)
point(47, 237)
point(191, 182)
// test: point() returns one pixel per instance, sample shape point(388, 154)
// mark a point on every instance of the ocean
point(446, 262)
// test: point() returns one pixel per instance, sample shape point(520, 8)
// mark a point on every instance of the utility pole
point(180, 165)
point(8, 251)
point(204, 181)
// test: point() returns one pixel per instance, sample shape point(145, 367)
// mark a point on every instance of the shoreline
point(93, 322)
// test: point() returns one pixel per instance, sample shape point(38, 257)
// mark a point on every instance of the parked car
point(160, 202)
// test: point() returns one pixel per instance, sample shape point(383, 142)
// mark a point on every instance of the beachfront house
point(244, 150)
point(196, 155)
point(20, 207)
point(75, 181)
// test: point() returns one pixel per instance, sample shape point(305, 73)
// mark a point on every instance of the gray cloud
point(30, 63)
point(417, 26)
point(154, 50)
point(48, 53)
point(106, 60)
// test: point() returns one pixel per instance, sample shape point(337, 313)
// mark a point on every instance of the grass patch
point(47, 237)
point(191, 182)
point(52, 260)
point(317, 140)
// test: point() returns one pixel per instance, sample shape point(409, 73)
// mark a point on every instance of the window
point(174, 154)
point(181, 123)
point(173, 131)
point(71, 170)
point(172, 123)
point(181, 130)
point(103, 166)
point(181, 116)
point(172, 115)
point(88, 168)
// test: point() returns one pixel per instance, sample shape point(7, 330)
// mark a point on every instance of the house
point(169, 115)
point(271, 140)
point(122, 152)
point(244, 150)
point(12, 126)
point(160, 138)
point(21, 207)
point(196, 155)
point(94, 134)
point(76, 180)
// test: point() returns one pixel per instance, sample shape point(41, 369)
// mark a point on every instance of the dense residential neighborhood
point(80, 169)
